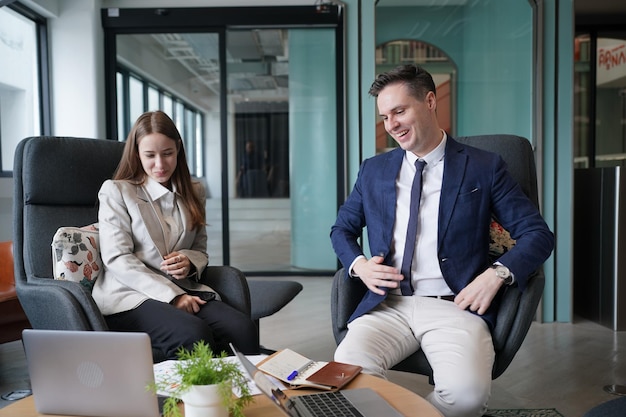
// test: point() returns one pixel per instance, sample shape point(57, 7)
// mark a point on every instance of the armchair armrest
point(54, 304)
point(516, 314)
point(346, 293)
point(231, 284)
point(82, 296)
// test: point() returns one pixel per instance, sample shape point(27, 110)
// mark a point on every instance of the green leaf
point(201, 367)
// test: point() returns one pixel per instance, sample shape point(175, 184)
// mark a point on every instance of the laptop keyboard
point(328, 404)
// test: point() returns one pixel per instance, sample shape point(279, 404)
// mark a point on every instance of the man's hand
point(375, 275)
point(477, 296)
point(189, 303)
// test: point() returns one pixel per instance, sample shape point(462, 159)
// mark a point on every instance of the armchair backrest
point(56, 184)
point(518, 154)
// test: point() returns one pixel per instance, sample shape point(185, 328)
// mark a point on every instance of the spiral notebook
point(298, 371)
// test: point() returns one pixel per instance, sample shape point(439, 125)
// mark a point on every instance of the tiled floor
point(13, 372)
point(560, 365)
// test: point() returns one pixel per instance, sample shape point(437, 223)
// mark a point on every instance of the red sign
point(610, 58)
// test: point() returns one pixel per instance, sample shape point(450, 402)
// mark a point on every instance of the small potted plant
point(205, 383)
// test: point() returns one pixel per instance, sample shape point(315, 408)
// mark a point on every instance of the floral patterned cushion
point(500, 240)
point(75, 255)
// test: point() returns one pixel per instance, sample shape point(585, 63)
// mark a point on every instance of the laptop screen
point(90, 373)
point(265, 385)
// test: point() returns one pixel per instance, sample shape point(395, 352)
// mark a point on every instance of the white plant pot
point(204, 401)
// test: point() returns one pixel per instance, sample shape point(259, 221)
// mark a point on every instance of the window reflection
point(258, 77)
point(600, 104)
point(262, 147)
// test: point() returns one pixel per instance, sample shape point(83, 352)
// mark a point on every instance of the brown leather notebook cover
point(335, 374)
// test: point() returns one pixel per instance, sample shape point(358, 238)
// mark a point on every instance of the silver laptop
point(95, 374)
point(359, 402)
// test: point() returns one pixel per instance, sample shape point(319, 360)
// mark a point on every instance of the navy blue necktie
point(411, 233)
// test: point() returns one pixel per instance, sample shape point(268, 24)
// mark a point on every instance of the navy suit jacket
point(476, 185)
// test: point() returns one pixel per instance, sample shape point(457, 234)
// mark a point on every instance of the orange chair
point(12, 317)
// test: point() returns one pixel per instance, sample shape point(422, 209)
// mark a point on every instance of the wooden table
point(403, 400)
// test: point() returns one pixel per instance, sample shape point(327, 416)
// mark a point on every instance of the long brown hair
point(130, 168)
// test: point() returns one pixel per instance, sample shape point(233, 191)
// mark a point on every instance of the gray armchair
point(518, 309)
point(56, 184)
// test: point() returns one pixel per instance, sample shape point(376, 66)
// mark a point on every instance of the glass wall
point(486, 47)
point(257, 105)
point(281, 144)
point(143, 89)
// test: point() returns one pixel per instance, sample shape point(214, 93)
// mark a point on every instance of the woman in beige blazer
point(153, 243)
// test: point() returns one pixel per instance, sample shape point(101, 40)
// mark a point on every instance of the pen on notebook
point(296, 372)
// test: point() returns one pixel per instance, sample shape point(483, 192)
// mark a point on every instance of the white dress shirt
point(426, 275)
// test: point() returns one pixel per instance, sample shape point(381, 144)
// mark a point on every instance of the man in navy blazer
point(455, 288)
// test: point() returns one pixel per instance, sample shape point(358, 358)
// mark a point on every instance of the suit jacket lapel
point(453, 173)
point(184, 217)
point(390, 171)
point(151, 221)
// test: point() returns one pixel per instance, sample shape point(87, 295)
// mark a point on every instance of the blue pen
point(295, 373)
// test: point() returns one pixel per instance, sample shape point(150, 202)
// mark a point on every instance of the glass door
point(258, 106)
point(281, 146)
point(178, 73)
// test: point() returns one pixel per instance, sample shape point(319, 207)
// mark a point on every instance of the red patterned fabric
point(499, 240)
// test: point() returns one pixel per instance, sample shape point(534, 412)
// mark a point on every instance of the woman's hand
point(189, 303)
point(177, 265)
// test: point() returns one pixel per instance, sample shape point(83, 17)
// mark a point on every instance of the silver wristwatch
point(504, 274)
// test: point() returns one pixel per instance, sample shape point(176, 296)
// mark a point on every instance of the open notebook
point(361, 402)
point(299, 371)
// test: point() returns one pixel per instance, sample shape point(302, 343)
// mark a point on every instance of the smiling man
point(427, 206)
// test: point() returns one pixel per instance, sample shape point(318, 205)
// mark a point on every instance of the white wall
point(76, 59)
point(77, 75)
